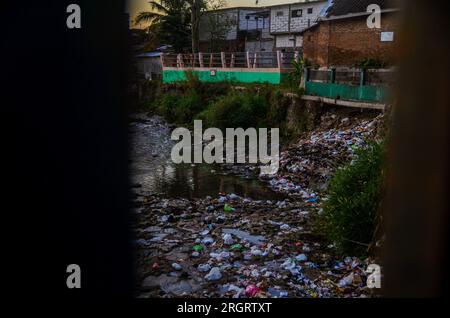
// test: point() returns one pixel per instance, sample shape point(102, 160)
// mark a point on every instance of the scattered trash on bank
point(234, 246)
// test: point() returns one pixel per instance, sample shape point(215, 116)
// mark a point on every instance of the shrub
point(180, 108)
point(166, 106)
point(237, 109)
point(370, 63)
point(350, 213)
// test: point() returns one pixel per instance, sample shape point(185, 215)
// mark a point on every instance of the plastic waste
point(214, 274)
point(236, 247)
point(204, 267)
point(228, 239)
point(251, 290)
point(301, 258)
point(227, 208)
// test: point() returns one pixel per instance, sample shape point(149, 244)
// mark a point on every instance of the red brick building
point(342, 37)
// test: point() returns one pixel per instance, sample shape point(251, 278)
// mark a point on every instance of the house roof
point(341, 9)
point(346, 7)
point(306, 3)
point(149, 54)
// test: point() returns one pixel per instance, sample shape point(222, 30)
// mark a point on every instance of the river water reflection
point(153, 170)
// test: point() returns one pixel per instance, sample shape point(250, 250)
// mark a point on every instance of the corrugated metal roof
point(344, 7)
point(149, 54)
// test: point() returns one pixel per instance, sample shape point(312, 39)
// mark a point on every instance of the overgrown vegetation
point(370, 63)
point(351, 212)
point(295, 77)
point(222, 105)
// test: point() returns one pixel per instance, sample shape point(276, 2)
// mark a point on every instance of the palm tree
point(171, 20)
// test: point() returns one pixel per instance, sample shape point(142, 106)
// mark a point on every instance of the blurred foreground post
point(416, 214)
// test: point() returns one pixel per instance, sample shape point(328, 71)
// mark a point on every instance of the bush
point(219, 105)
point(237, 109)
point(166, 106)
point(370, 63)
point(350, 213)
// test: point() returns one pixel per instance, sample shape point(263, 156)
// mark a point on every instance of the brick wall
point(348, 41)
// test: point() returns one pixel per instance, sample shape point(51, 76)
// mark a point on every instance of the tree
point(178, 20)
point(218, 26)
point(196, 8)
point(169, 22)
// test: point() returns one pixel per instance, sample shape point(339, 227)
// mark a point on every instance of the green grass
point(351, 211)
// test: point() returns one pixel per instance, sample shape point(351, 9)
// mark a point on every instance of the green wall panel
point(170, 76)
point(348, 92)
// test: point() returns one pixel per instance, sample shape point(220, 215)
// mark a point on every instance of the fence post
point(232, 60)
point(279, 58)
point(210, 60)
point(200, 59)
point(162, 59)
point(180, 60)
point(296, 56)
point(305, 78)
point(248, 59)
point(222, 57)
point(333, 75)
point(362, 79)
point(255, 60)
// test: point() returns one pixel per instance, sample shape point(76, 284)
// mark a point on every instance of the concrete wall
point(368, 93)
point(347, 41)
point(279, 19)
point(271, 76)
point(258, 46)
point(288, 41)
point(307, 19)
point(284, 20)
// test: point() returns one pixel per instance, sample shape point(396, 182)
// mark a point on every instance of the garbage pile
point(306, 168)
point(238, 247)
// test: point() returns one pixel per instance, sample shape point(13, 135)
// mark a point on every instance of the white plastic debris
point(301, 258)
point(347, 280)
point(228, 239)
point(214, 274)
point(204, 267)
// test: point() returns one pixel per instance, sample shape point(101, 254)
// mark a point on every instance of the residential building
point(342, 36)
point(236, 30)
point(287, 21)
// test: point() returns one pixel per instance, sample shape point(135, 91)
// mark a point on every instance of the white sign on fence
point(387, 36)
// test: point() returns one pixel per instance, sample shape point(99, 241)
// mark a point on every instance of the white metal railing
point(278, 59)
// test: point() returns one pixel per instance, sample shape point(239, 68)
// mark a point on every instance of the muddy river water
point(154, 172)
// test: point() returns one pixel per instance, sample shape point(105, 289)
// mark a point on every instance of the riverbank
point(232, 245)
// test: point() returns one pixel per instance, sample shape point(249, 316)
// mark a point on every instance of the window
point(310, 10)
point(297, 13)
point(280, 13)
point(309, 38)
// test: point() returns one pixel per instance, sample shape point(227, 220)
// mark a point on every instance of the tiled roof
point(344, 7)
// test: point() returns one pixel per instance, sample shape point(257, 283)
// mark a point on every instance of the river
point(154, 172)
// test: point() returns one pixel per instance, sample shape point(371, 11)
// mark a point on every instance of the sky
point(136, 6)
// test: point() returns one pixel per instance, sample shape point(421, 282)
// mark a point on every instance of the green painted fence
point(367, 93)
point(259, 76)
